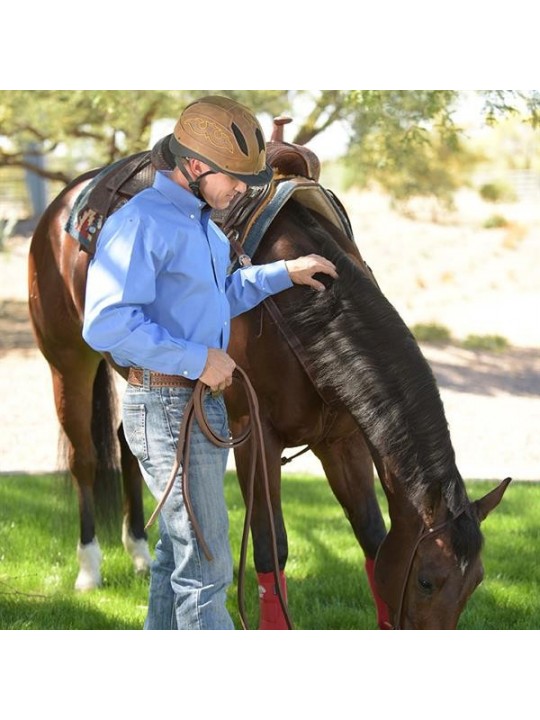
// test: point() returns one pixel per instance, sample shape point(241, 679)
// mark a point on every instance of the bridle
point(425, 532)
point(194, 410)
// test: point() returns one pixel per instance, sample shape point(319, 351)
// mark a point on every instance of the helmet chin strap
point(194, 183)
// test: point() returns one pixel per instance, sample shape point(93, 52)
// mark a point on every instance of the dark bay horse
point(353, 385)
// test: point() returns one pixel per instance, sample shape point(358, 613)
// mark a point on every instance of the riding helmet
point(226, 136)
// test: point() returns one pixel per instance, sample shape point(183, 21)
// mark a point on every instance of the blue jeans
point(187, 591)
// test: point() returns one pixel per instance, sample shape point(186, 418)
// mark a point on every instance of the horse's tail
point(107, 486)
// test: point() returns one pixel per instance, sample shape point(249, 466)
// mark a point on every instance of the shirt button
point(185, 372)
point(192, 217)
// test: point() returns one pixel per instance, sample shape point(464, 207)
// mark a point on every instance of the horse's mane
point(362, 349)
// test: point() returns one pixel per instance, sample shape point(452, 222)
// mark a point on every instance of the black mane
point(362, 349)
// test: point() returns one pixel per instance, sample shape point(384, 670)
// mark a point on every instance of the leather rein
point(195, 411)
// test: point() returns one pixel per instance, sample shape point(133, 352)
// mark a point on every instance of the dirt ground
point(454, 273)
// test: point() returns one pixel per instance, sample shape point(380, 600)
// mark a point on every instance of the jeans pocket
point(135, 430)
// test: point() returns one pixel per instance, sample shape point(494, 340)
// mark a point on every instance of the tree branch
point(18, 160)
point(330, 104)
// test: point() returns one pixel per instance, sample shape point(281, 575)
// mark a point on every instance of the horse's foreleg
point(134, 537)
point(271, 614)
point(349, 469)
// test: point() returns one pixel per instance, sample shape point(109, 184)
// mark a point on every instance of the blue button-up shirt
point(158, 294)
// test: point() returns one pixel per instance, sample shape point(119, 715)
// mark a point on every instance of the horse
point(337, 371)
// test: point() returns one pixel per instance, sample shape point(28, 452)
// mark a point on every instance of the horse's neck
point(360, 350)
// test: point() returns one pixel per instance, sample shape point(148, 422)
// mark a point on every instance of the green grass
point(326, 582)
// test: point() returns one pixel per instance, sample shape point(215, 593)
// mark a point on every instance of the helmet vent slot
point(240, 139)
point(260, 139)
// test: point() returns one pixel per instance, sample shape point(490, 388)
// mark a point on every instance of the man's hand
point(217, 373)
point(302, 269)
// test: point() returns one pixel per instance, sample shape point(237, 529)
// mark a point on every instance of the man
point(159, 300)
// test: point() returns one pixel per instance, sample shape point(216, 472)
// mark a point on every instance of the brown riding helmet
point(226, 136)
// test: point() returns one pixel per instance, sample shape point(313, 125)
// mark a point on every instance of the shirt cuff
point(194, 361)
point(277, 277)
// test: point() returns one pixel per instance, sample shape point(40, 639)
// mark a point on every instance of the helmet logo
point(211, 132)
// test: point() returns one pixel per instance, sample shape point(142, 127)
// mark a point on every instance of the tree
point(408, 143)
point(96, 127)
point(388, 130)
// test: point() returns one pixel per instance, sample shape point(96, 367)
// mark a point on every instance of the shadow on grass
point(18, 612)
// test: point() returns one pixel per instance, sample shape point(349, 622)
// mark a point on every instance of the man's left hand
point(302, 269)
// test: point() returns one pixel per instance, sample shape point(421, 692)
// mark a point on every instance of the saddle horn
point(291, 159)
point(277, 132)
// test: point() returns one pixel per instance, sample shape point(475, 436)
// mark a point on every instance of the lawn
point(326, 583)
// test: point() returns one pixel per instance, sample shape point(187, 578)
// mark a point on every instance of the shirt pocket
point(134, 420)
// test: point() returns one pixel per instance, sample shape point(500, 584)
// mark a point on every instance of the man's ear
point(196, 167)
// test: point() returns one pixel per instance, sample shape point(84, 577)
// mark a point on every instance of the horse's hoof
point(137, 550)
point(140, 557)
point(89, 557)
point(85, 583)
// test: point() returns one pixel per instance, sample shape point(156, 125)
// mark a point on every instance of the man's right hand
point(217, 373)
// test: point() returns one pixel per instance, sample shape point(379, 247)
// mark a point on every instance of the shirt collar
point(183, 199)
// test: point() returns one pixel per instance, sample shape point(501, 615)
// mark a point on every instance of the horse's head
point(424, 581)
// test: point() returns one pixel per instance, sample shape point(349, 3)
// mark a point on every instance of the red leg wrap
point(271, 613)
point(383, 615)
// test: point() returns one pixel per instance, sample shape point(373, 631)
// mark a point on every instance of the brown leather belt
point(156, 379)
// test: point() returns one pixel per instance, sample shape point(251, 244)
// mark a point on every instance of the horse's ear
point(490, 501)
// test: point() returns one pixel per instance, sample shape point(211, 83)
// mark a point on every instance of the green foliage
point(96, 127)
point(488, 343)
point(409, 146)
point(79, 129)
point(431, 333)
point(436, 334)
point(500, 104)
point(327, 585)
point(495, 221)
point(497, 192)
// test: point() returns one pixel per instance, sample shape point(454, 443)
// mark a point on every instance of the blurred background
point(442, 188)
point(408, 143)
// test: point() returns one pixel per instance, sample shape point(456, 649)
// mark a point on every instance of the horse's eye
point(425, 585)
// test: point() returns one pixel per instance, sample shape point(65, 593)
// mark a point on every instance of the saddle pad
point(308, 193)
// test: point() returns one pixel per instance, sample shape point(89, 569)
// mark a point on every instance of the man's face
point(219, 190)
